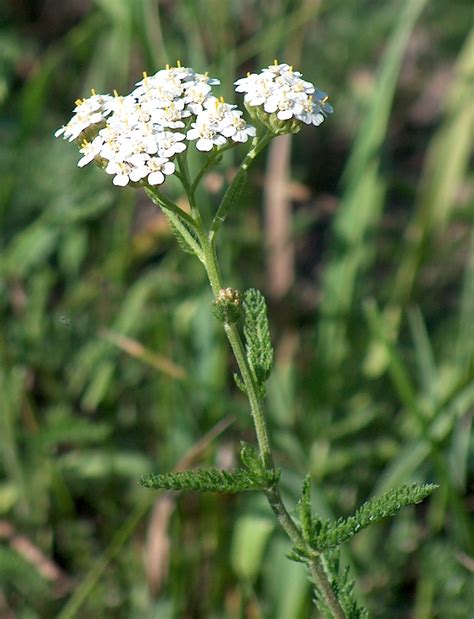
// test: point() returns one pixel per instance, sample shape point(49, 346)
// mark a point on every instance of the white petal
point(138, 173)
point(240, 136)
point(168, 167)
point(121, 180)
point(271, 105)
point(228, 131)
point(85, 160)
point(192, 134)
point(285, 114)
point(204, 144)
point(155, 178)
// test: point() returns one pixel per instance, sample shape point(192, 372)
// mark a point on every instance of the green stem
point(176, 217)
point(188, 187)
point(212, 159)
point(209, 259)
point(237, 346)
point(229, 197)
point(315, 564)
point(320, 577)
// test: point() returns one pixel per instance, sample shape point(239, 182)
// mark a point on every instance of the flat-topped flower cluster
point(279, 94)
point(137, 137)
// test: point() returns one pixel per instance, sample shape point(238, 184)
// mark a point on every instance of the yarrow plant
point(141, 139)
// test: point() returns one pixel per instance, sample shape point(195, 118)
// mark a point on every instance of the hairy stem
point(237, 346)
point(209, 259)
point(319, 576)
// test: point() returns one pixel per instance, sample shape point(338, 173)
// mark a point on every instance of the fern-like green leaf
point(304, 508)
point(256, 468)
point(331, 534)
point(240, 383)
point(257, 336)
point(182, 233)
point(204, 480)
point(343, 587)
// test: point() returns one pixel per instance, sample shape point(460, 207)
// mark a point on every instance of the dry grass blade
point(138, 351)
point(278, 219)
point(157, 539)
point(45, 566)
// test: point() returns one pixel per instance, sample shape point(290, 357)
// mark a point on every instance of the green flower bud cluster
point(228, 305)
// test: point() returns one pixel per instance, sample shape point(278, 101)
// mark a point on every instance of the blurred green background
point(112, 365)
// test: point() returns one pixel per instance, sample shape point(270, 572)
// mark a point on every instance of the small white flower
point(163, 87)
point(321, 99)
point(237, 129)
point(170, 116)
point(121, 170)
point(139, 163)
point(215, 111)
point(206, 137)
point(158, 168)
point(204, 78)
point(87, 112)
point(286, 103)
point(90, 111)
point(276, 69)
point(257, 88)
point(170, 143)
point(90, 150)
point(195, 95)
point(310, 113)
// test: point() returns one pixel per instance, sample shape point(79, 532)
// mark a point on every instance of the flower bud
point(228, 305)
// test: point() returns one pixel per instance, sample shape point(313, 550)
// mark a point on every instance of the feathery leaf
point(205, 480)
point(257, 337)
point(334, 533)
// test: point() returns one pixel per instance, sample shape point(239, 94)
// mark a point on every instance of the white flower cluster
point(136, 137)
point(279, 94)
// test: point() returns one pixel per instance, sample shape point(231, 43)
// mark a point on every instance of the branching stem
point(208, 257)
point(320, 577)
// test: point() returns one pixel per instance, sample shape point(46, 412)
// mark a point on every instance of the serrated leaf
point(304, 508)
point(333, 534)
point(257, 336)
point(250, 458)
point(203, 480)
point(183, 240)
point(240, 383)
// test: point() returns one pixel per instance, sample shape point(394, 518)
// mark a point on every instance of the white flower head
point(170, 116)
point(90, 150)
point(207, 137)
point(158, 169)
point(136, 137)
point(87, 113)
point(170, 143)
point(237, 129)
point(282, 100)
point(196, 93)
point(121, 171)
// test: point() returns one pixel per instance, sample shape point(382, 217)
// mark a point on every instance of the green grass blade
point(362, 202)
point(445, 167)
